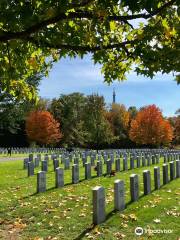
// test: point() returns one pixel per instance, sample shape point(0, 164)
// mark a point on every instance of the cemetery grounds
point(66, 213)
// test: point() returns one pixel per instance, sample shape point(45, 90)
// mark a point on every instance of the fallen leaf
point(133, 217)
point(119, 235)
point(169, 190)
point(82, 215)
point(157, 220)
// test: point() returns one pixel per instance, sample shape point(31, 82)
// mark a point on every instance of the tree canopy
point(42, 128)
point(68, 110)
point(99, 132)
point(14, 109)
point(120, 35)
point(149, 127)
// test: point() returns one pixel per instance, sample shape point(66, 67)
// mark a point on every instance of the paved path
point(8, 159)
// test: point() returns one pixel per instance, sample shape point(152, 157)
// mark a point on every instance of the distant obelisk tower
point(114, 96)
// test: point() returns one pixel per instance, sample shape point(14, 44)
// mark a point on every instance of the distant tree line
point(76, 120)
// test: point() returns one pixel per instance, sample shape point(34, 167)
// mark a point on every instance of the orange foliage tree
point(177, 130)
point(42, 128)
point(150, 128)
point(118, 118)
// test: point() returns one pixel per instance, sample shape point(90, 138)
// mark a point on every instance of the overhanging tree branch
point(84, 48)
point(82, 3)
point(5, 36)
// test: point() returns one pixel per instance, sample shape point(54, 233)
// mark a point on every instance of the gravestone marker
point(172, 171)
point(59, 177)
point(112, 158)
point(66, 163)
point(153, 159)
point(125, 164)
point(131, 162)
point(109, 166)
point(138, 162)
point(143, 161)
point(75, 173)
point(41, 181)
point(99, 169)
point(84, 160)
point(157, 183)
point(56, 164)
point(134, 187)
point(30, 169)
point(119, 195)
point(177, 168)
point(46, 158)
point(165, 174)
point(147, 182)
point(148, 160)
point(99, 215)
point(87, 170)
point(36, 162)
point(117, 165)
point(44, 166)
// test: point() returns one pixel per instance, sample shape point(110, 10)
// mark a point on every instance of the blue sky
point(76, 75)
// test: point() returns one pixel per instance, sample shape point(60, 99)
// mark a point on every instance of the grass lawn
point(66, 213)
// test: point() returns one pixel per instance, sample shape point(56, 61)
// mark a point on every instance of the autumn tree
point(119, 118)
point(177, 130)
point(13, 111)
point(99, 132)
point(34, 34)
point(42, 128)
point(175, 122)
point(150, 128)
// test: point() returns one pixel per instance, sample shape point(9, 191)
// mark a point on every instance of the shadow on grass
point(87, 230)
point(53, 188)
point(109, 215)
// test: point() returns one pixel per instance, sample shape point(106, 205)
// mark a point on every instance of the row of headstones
point(116, 154)
point(36, 159)
point(106, 155)
point(44, 165)
point(121, 152)
point(31, 150)
point(139, 151)
point(99, 214)
point(59, 175)
point(89, 152)
point(66, 160)
point(99, 168)
point(30, 164)
point(128, 152)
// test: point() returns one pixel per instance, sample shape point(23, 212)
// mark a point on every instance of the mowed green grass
point(66, 213)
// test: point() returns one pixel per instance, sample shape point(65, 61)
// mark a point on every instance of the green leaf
point(112, 25)
point(165, 23)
